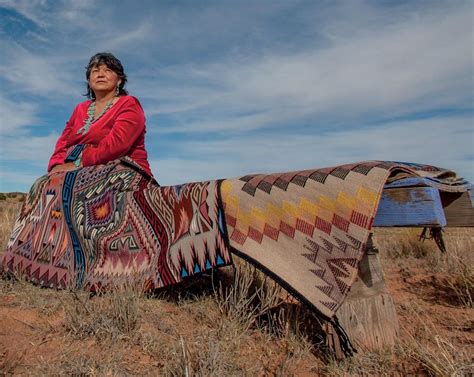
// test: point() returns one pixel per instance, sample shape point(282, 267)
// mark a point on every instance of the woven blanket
point(101, 225)
point(307, 229)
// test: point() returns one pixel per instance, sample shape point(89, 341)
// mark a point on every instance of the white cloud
point(14, 116)
point(32, 150)
point(422, 141)
point(126, 38)
point(30, 9)
point(33, 73)
point(410, 65)
point(173, 171)
point(48, 14)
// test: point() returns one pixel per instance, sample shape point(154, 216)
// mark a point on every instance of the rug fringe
point(344, 341)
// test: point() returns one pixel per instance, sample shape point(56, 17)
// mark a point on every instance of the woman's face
point(102, 79)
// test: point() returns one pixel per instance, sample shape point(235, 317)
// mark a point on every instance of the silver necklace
point(90, 116)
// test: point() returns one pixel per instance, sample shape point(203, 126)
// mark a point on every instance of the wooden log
point(410, 206)
point(368, 314)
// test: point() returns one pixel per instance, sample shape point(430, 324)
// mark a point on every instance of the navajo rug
point(100, 225)
point(308, 229)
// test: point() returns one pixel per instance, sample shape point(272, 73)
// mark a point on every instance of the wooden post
point(458, 207)
point(368, 314)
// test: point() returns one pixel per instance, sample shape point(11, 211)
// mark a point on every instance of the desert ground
point(237, 322)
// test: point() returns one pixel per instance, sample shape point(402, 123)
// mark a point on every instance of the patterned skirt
point(100, 225)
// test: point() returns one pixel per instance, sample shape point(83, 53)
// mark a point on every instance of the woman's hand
point(63, 168)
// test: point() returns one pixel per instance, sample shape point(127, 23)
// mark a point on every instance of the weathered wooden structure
point(368, 314)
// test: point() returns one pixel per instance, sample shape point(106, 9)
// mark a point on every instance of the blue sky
point(237, 87)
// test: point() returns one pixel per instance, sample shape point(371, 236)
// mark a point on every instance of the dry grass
point(82, 364)
point(457, 271)
point(249, 298)
point(454, 269)
point(435, 307)
point(437, 354)
point(237, 322)
point(403, 243)
point(113, 315)
point(9, 209)
point(366, 364)
point(178, 333)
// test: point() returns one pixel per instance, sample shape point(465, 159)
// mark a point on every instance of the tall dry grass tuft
point(203, 346)
point(113, 314)
point(125, 306)
point(461, 282)
point(456, 270)
point(254, 301)
point(249, 298)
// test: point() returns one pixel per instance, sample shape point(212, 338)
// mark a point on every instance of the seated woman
point(109, 125)
point(99, 218)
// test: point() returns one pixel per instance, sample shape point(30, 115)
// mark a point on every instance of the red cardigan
point(119, 132)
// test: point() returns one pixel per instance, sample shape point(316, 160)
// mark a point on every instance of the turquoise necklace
point(90, 116)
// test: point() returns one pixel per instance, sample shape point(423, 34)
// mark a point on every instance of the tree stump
point(368, 314)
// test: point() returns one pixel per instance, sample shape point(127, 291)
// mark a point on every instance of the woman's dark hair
point(111, 62)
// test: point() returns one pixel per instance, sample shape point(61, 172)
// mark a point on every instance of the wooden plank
point(410, 206)
point(458, 208)
point(368, 314)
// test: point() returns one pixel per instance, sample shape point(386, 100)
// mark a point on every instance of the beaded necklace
point(90, 116)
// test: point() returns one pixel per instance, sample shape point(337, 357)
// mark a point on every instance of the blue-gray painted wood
point(410, 206)
point(408, 182)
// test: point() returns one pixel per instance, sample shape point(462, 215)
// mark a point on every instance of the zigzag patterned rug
point(307, 229)
point(103, 225)
point(100, 225)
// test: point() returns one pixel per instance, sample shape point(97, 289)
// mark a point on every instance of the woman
point(99, 218)
point(108, 126)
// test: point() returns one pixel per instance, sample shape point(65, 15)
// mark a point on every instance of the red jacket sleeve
point(128, 126)
point(60, 150)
